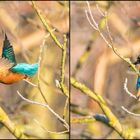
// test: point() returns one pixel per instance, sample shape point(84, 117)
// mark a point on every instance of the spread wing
point(5, 64)
point(8, 51)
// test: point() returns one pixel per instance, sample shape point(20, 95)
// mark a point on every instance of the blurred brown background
point(103, 71)
point(26, 33)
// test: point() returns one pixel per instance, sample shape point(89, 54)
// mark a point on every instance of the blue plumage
point(26, 69)
point(7, 51)
point(138, 83)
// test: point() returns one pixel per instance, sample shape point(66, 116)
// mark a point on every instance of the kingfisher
point(137, 62)
point(11, 71)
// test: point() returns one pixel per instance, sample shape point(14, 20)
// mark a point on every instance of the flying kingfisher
point(10, 70)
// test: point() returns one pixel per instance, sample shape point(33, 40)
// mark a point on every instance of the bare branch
point(106, 41)
point(127, 91)
point(100, 11)
point(47, 106)
point(108, 30)
point(90, 13)
point(39, 66)
point(45, 129)
point(131, 113)
point(93, 26)
point(32, 84)
point(62, 85)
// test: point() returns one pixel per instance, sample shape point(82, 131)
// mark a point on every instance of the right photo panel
point(105, 69)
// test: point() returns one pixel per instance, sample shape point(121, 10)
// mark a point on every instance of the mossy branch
point(4, 119)
point(65, 108)
point(88, 119)
point(46, 25)
point(113, 121)
point(63, 47)
point(91, 118)
point(63, 61)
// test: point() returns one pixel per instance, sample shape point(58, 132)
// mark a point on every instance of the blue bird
point(138, 79)
point(138, 83)
point(10, 70)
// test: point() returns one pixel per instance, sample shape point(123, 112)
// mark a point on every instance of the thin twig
point(113, 121)
point(90, 13)
point(127, 91)
point(63, 60)
point(131, 95)
point(64, 50)
point(39, 65)
point(131, 113)
point(108, 29)
point(47, 106)
point(100, 11)
point(45, 23)
point(45, 129)
point(32, 84)
point(95, 26)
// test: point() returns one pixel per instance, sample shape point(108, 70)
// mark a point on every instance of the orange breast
point(9, 77)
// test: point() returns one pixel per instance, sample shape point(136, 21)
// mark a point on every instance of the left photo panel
point(34, 70)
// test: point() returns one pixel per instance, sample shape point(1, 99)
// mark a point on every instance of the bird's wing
point(8, 51)
point(5, 64)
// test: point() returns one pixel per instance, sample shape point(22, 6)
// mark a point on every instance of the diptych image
point(69, 69)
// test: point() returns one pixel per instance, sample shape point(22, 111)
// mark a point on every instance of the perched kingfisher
point(138, 79)
point(137, 62)
point(10, 70)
